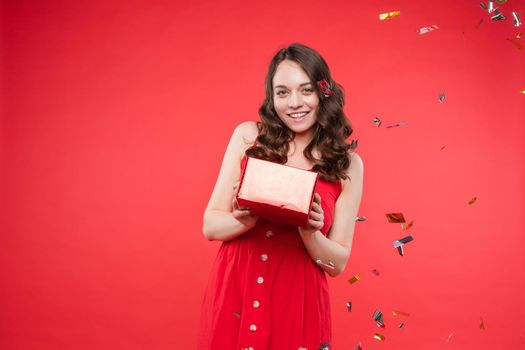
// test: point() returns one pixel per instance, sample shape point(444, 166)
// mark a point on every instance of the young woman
point(268, 288)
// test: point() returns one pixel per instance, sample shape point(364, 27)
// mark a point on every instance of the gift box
point(277, 192)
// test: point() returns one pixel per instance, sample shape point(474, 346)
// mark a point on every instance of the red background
point(115, 117)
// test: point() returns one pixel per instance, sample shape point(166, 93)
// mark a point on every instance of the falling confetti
point(375, 272)
point(450, 336)
point(358, 346)
point(518, 36)
point(354, 279)
point(522, 91)
point(324, 346)
point(517, 21)
point(349, 306)
point(379, 337)
point(406, 227)
point(389, 15)
point(378, 317)
point(395, 218)
point(515, 43)
point(441, 97)
point(427, 29)
point(482, 324)
point(399, 244)
point(377, 122)
point(498, 16)
point(236, 314)
point(401, 325)
point(472, 200)
point(400, 313)
point(442, 148)
point(360, 218)
point(396, 125)
point(479, 23)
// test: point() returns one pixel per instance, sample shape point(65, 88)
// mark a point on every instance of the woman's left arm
point(334, 250)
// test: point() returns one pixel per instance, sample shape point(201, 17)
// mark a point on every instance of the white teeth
point(297, 115)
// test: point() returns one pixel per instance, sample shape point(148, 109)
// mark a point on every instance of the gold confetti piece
point(400, 313)
point(482, 325)
point(472, 200)
point(501, 1)
point(522, 91)
point(517, 21)
point(515, 43)
point(379, 337)
point(375, 272)
point(378, 317)
point(389, 15)
point(427, 29)
point(377, 122)
point(518, 36)
point(395, 218)
point(354, 279)
point(406, 227)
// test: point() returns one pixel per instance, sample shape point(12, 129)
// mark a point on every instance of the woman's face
point(294, 97)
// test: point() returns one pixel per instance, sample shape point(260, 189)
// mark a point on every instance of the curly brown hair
point(331, 129)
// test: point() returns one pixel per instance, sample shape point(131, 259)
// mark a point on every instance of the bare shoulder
point(354, 171)
point(247, 131)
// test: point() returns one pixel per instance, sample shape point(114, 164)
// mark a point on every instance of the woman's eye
point(280, 93)
point(308, 90)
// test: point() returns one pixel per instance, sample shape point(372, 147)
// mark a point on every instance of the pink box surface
point(277, 192)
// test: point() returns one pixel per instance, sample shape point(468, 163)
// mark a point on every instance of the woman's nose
point(295, 100)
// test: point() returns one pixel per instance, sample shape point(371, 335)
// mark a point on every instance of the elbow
point(206, 231)
point(340, 268)
point(336, 272)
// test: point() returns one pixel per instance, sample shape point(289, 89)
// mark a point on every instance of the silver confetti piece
point(427, 29)
point(491, 7)
point(498, 17)
point(517, 21)
point(378, 317)
point(349, 306)
point(442, 97)
point(360, 218)
point(377, 121)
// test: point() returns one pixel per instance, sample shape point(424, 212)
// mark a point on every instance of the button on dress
point(265, 292)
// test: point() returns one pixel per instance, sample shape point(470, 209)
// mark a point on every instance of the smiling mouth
point(297, 114)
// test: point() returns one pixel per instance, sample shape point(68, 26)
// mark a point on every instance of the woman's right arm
point(222, 220)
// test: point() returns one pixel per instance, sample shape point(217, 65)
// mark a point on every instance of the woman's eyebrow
point(284, 87)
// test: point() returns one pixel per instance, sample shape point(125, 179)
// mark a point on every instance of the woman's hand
point(242, 214)
point(316, 217)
